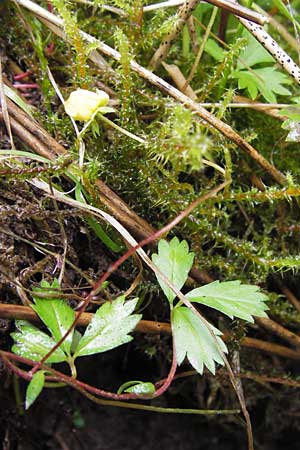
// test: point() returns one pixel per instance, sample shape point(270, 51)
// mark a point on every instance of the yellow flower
point(82, 104)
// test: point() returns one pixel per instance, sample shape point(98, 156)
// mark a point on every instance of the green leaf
point(175, 261)
point(92, 222)
point(78, 419)
point(137, 387)
point(34, 388)
point(292, 112)
point(76, 339)
point(253, 53)
point(109, 327)
point(284, 10)
point(246, 80)
point(268, 81)
point(272, 83)
point(56, 314)
point(106, 110)
point(32, 343)
point(193, 339)
point(15, 97)
point(214, 50)
point(232, 298)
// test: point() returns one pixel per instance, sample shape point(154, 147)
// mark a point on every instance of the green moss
point(244, 233)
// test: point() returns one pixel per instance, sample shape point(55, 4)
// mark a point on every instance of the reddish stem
point(50, 48)
point(167, 381)
point(22, 75)
point(123, 258)
point(26, 86)
point(6, 356)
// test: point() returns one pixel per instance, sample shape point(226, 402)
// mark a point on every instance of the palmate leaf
point(34, 388)
point(109, 327)
point(193, 340)
point(175, 261)
point(254, 53)
point(268, 81)
point(56, 314)
point(32, 343)
point(232, 298)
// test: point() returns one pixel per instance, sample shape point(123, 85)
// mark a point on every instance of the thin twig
point(224, 4)
point(289, 294)
point(273, 48)
point(269, 347)
point(86, 389)
point(280, 331)
point(27, 137)
point(9, 311)
point(247, 375)
point(36, 130)
point(202, 46)
point(185, 11)
point(3, 104)
point(18, 312)
point(278, 27)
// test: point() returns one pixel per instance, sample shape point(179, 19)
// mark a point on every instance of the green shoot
point(108, 329)
point(137, 387)
point(193, 336)
point(175, 261)
point(34, 388)
point(195, 340)
point(231, 298)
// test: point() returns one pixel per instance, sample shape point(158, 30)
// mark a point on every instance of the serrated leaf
point(32, 343)
point(109, 327)
point(268, 81)
point(137, 387)
point(292, 112)
point(272, 82)
point(175, 261)
point(232, 298)
point(193, 340)
point(56, 314)
point(254, 53)
point(246, 80)
point(34, 388)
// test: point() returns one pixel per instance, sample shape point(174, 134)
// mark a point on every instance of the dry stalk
point(185, 12)
point(3, 104)
point(280, 331)
point(148, 326)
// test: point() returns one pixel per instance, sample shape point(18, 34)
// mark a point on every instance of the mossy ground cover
point(248, 231)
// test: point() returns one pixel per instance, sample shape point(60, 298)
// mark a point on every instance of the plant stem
point(122, 130)
point(71, 363)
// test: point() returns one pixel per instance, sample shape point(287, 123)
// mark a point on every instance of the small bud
point(82, 104)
